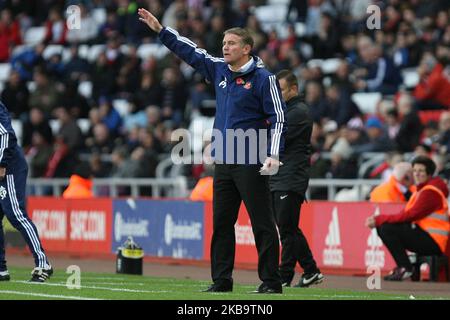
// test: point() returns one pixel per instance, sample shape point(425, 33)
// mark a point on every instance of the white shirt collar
point(245, 67)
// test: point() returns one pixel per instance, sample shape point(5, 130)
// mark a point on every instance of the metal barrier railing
point(177, 187)
point(332, 185)
point(167, 187)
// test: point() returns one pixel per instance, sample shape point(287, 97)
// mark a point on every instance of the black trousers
point(233, 184)
point(295, 248)
point(399, 237)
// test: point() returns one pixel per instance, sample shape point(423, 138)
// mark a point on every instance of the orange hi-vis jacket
point(78, 188)
point(203, 190)
point(389, 191)
point(437, 223)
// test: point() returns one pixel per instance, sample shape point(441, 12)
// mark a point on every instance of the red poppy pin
point(248, 85)
point(240, 81)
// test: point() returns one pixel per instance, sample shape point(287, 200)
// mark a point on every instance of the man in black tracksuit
point(288, 187)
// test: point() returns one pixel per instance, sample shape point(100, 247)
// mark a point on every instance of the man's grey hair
point(401, 169)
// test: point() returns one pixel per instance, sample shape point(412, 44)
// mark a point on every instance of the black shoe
point(399, 274)
point(309, 279)
point(286, 284)
point(264, 288)
point(4, 276)
point(41, 274)
point(223, 287)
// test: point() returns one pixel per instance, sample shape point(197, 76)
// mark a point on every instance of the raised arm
point(150, 20)
point(184, 48)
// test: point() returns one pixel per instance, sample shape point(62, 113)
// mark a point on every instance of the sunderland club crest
point(2, 192)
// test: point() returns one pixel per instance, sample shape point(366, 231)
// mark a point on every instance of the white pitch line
point(116, 283)
point(46, 295)
point(104, 278)
point(91, 287)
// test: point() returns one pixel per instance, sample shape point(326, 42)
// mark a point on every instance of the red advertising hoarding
point(335, 231)
point(81, 226)
point(340, 239)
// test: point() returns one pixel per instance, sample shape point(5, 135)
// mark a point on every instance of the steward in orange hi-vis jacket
point(422, 227)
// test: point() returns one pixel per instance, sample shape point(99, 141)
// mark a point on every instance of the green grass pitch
point(129, 287)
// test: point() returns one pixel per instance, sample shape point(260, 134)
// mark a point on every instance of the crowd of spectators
point(164, 93)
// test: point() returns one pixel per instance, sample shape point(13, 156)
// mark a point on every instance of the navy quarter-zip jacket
point(248, 100)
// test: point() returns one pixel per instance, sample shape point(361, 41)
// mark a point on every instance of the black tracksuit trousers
point(295, 248)
point(233, 184)
point(399, 237)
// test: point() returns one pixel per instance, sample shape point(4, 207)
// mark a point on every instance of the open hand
point(149, 19)
point(370, 222)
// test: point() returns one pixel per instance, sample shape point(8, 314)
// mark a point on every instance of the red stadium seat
point(430, 115)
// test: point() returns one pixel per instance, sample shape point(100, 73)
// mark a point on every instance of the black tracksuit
point(288, 189)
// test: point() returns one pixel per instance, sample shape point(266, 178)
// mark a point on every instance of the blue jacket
point(11, 155)
point(249, 100)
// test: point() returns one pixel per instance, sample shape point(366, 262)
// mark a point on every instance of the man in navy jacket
point(248, 101)
point(13, 176)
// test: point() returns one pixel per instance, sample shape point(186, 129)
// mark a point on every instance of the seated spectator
point(109, 116)
point(408, 136)
point(55, 28)
point(354, 132)
point(103, 78)
point(433, 90)
point(101, 142)
point(379, 72)
point(37, 122)
point(174, 93)
point(378, 138)
point(338, 105)
point(76, 103)
point(76, 68)
point(149, 92)
point(39, 154)
point(384, 170)
point(46, 96)
point(135, 117)
point(313, 98)
point(100, 168)
point(27, 60)
point(398, 188)
point(123, 166)
point(55, 67)
point(15, 96)
point(343, 165)
point(213, 37)
point(68, 144)
point(110, 27)
point(326, 45)
point(422, 226)
point(10, 34)
point(80, 183)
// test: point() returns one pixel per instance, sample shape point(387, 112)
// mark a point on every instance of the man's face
point(233, 49)
point(420, 173)
point(407, 180)
point(286, 91)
